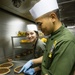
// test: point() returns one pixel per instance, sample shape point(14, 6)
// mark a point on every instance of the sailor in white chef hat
point(33, 28)
point(55, 58)
point(32, 35)
point(46, 9)
point(32, 32)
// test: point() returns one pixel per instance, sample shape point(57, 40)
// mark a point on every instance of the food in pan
point(17, 69)
point(25, 41)
point(7, 64)
point(4, 71)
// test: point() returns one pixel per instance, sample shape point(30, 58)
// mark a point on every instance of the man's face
point(45, 24)
point(31, 35)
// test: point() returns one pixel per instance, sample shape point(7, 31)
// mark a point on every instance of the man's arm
point(37, 60)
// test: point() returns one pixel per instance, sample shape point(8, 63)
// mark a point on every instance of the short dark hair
point(55, 11)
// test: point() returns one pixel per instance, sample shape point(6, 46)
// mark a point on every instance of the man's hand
point(30, 71)
point(26, 66)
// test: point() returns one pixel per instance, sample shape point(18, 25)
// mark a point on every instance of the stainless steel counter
point(16, 63)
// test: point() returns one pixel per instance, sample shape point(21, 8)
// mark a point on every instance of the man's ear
point(53, 16)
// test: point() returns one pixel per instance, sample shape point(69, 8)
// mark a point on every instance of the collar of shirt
point(57, 32)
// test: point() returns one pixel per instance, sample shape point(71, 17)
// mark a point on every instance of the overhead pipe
point(65, 2)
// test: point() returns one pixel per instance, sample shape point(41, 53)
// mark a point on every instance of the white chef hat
point(32, 27)
point(43, 7)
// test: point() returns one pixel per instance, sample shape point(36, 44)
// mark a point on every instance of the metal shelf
point(17, 45)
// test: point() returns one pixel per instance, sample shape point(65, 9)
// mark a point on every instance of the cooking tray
point(6, 64)
point(4, 70)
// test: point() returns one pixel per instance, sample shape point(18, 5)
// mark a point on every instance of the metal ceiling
point(67, 9)
point(22, 11)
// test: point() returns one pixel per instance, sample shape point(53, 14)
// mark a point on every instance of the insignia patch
point(52, 48)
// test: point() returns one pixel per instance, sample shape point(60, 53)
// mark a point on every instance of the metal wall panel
point(7, 30)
